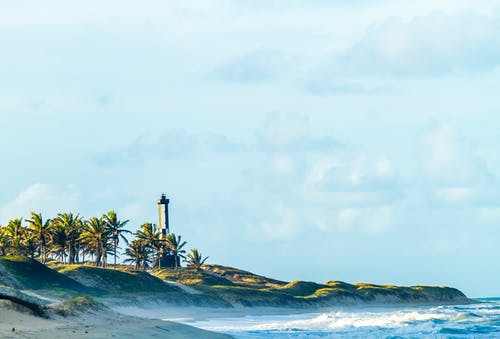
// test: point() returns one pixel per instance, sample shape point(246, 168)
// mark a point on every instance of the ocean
point(480, 320)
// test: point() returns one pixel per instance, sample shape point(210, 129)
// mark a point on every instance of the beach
point(17, 322)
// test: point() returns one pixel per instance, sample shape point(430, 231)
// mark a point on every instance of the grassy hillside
point(188, 276)
point(239, 287)
point(29, 274)
point(249, 296)
point(241, 277)
point(214, 285)
point(141, 286)
point(114, 280)
point(299, 288)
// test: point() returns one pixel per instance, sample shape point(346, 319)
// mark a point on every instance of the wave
point(477, 320)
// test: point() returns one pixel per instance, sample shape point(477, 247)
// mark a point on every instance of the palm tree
point(15, 232)
point(175, 245)
point(138, 253)
point(41, 233)
point(149, 236)
point(4, 241)
point(73, 226)
point(195, 259)
point(96, 234)
point(30, 245)
point(116, 229)
point(58, 241)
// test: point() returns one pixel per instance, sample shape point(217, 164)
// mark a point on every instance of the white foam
point(353, 322)
point(328, 321)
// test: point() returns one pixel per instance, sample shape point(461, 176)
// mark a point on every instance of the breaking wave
point(477, 320)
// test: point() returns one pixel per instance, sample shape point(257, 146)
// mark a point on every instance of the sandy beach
point(16, 322)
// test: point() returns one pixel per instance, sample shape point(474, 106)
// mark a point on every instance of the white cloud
point(454, 195)
point(490, 214)
point(384, 167)
point(432, 44)
point(453, 170)
point(352, 171)
point(282, 164)
point(284, 224)
point(45, 198)
point(281, 130)
point(447, 158)
point(365, 221)
point(252, 67)
point(346, 216)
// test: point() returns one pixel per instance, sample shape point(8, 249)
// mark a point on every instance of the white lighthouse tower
point(163, 225)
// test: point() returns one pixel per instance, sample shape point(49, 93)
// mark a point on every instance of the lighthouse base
point(167, 261)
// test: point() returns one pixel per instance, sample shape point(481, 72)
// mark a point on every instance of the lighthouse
point(163, 225)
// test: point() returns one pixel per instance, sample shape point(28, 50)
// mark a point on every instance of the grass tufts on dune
point(241, 277)
point(77, 305)
point(299, 288)
point(116, 281)
point(189, 276)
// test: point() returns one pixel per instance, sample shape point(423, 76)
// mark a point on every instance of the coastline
point(71, 300)
point(188, 314)
point(17, 322)
point(163, 320)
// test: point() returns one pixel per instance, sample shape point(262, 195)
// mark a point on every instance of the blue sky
point(312, 140)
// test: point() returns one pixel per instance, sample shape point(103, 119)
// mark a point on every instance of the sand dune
point(18, 322)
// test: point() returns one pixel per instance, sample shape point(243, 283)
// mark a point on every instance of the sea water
point(480, 320)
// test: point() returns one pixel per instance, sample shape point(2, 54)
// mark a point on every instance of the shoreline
point(187, 314)
point(103, 303)
point(163, 320)
point(18, 322)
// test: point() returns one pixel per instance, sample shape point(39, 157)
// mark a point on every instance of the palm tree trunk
point(98, 255)
point(114, 247)
point(41, 252)
point(69, 253)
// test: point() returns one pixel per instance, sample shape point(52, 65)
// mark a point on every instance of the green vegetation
point(212, 285)
point(116, 230)
point(150, 246)
point(241, 277)
point(138, 254)
point(30, 274)
point(71, 239)
point(66, 241)
point(116, 281)
point(299, 288)
point(189, 276)
point(248, 296)
point(76, 305)
point(174, 244)
point(195, 259)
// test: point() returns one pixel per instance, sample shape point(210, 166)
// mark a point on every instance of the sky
point(301, 139)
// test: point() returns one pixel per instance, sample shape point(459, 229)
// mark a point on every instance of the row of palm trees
point(151, 247)
point(71, 239)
